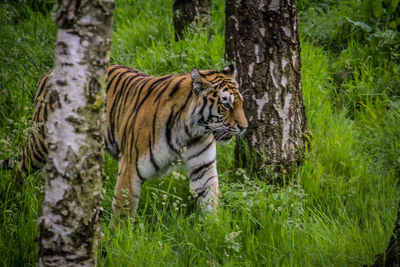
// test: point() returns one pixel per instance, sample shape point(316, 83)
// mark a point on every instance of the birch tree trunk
point(190, 14)
point(263, 41)
point(71, 211)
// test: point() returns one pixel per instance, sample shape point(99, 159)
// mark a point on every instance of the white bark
point(69, 225)
point(262, 40)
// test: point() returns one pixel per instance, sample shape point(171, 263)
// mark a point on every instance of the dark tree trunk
point(190, 15)
point(263, 41)
point(71, 211)
point(391, 257)
point(393, 250)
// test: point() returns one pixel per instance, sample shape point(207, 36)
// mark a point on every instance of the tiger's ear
point(199, 84)
point(230, 71)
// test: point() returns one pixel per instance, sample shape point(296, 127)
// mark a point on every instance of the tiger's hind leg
point(34, 154)
point(127, 193)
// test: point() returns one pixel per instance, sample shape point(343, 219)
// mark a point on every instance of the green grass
point(338, 207)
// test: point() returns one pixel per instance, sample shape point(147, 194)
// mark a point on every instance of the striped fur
point(152, 122)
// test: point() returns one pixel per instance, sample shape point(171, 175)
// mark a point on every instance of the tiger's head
point(220, 104)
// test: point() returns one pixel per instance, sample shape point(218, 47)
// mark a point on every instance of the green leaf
point(361, 24)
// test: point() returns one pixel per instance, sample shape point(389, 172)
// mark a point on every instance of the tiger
point(152, 122)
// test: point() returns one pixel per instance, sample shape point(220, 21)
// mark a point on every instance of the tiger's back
point(125, 87)
point(133, 103)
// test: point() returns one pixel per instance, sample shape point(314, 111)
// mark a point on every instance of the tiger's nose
point(242, 127)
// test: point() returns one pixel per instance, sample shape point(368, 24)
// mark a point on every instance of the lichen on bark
point(71, 211)
point(262, 40)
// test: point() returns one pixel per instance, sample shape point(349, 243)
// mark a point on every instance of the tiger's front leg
point(201, 166)
point(127, 192)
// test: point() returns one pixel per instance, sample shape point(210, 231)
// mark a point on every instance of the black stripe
point(120, 77)
point(146, 80)
point(173, 118)
point(215, 79)
point(158, 81)
point(176, 87)
point(140, 88)
point(37, 152)
point(25, 165)
point(204, 105)
point(109, 83)
point(194, 141)
point(6, 164)
point(38, 158)
point(154, 121)
point(202, 151)
point(179, 112)
point(41, 88)
point(162, 86)
point(153, 161)
point(45, 114)
point(135, 112)
point(136, 163)
point(116, 76)
point(119, 67)
point(203, 190)
point(113, 68)
point(166, 77)
point(168, 132)
point(209, 179)
point(108, 143)
point(131, 88)
point(111, 134)
point(201, 194)
point(199, 172)
point(163, 91)
point(110, 146)
point(187, 132)
point(42, 148)
point(114, 117)
point(210, 108)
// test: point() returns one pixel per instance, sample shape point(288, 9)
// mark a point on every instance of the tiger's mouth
point(223, 137)
point(224, 134)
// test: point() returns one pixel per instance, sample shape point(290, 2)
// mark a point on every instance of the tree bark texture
point(71, 211)
point(391, 256)
point(262, 39)
point(393, 250)
point(191, 15)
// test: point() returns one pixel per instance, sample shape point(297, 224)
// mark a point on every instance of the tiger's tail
point(7, 164)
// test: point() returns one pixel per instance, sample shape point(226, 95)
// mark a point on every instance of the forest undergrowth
point(336, 209)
